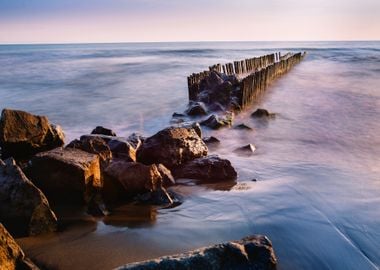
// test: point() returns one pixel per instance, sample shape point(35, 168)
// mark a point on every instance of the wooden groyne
point(253, 74)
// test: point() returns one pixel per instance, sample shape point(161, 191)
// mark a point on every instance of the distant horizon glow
point(108, 21)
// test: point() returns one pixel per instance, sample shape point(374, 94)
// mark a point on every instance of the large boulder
point(211, 169)
point(11, 255)
point(172, 146)
point(103, 131)
point(23, 134)
point(254, 252)
point(133, 176)
point(66, 174)
point(24, 209)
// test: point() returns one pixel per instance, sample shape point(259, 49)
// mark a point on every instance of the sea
point(312, 186)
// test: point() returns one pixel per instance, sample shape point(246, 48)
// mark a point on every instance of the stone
point(172, 146)
point(261, 113)
point(215, 122)
point(134, 177)
point(196, 109)
point(210, 169)
point(166, 174)
point(159, 196)
point(66, 174)
point(122, 149)
point(94, 145)
point(247, 150)
point(23, 134)
point(175, 115)
point(103, 131)
point(253, 252)
point(211, 141)
point(24, 209)
point(136, 140)
point(243, 127)
point(195, 125)
point(11, 255)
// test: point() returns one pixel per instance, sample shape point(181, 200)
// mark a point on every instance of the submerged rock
point(66, 174)
point(261, 113)
point(24, 209)
point(211, 168)
point(253, 252)
point(11, 255)
point(247, 150)
point(211, 141)
point(159, 196)
point(196, 109)
point(243, 127)
point(23, 134)
point(104, 131)
point(172, 146)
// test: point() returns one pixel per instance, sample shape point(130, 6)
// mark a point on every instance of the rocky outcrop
point(211, 169)
point(11, 255)
point(254, 252)
point(172, 146)
point(66, 174)
point(103, 131)
point(24, 209)
point(23, 134)
point(262, 113)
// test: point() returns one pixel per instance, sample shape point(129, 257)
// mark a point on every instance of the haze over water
point(317, 163)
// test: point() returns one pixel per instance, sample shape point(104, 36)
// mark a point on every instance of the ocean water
point(317, 164)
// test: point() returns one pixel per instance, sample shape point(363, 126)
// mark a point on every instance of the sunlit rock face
point(23, 134)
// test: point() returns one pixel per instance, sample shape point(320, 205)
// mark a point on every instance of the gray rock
point(23, 134)
point(253, 253)
point(24, 209)
point(211, 169)
point(103, 131)
point(172, 146)
point(11, 255)
point(211, 141)
point(246, 150)
point(196, 109)
point(261, 113)
point(215, 122)
point(243, 127)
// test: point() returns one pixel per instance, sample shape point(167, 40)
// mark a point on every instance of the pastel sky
point(65, 21)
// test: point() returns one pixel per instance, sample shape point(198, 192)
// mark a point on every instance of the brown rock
point(69, 174)
point(261, 113)
point(211, 168)
point(122, 149)
point(11, 255)
point(166, 174)
point(216, 122)
point(24, 209)
point(172, 146)
point(134, 177)
point(254, 252)
point(23, 134)
point(103, 130)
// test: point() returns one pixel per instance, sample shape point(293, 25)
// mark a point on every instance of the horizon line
point(186, 41)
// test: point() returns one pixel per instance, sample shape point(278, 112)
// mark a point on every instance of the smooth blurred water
point(317, 163)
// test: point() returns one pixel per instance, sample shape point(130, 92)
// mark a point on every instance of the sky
point(81, 21)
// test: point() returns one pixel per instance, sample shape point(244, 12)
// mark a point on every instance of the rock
point(175, 115)
point(11, 255)
point(254, 252)
point(214, 122)
point(122, 149)
point(211, 141)
point(158, 196)
point(136, 140)
point(248, 150)
point(103, 131)
point(23, 134)
point(196, 109)
point(166, 174)
point(243, 127)
point(94, 145)
point(172, 146)
point(24, 209)
point(66, 174)
point(134, 177)
point(211, 169)
point(260, 113)
point(194, 125)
